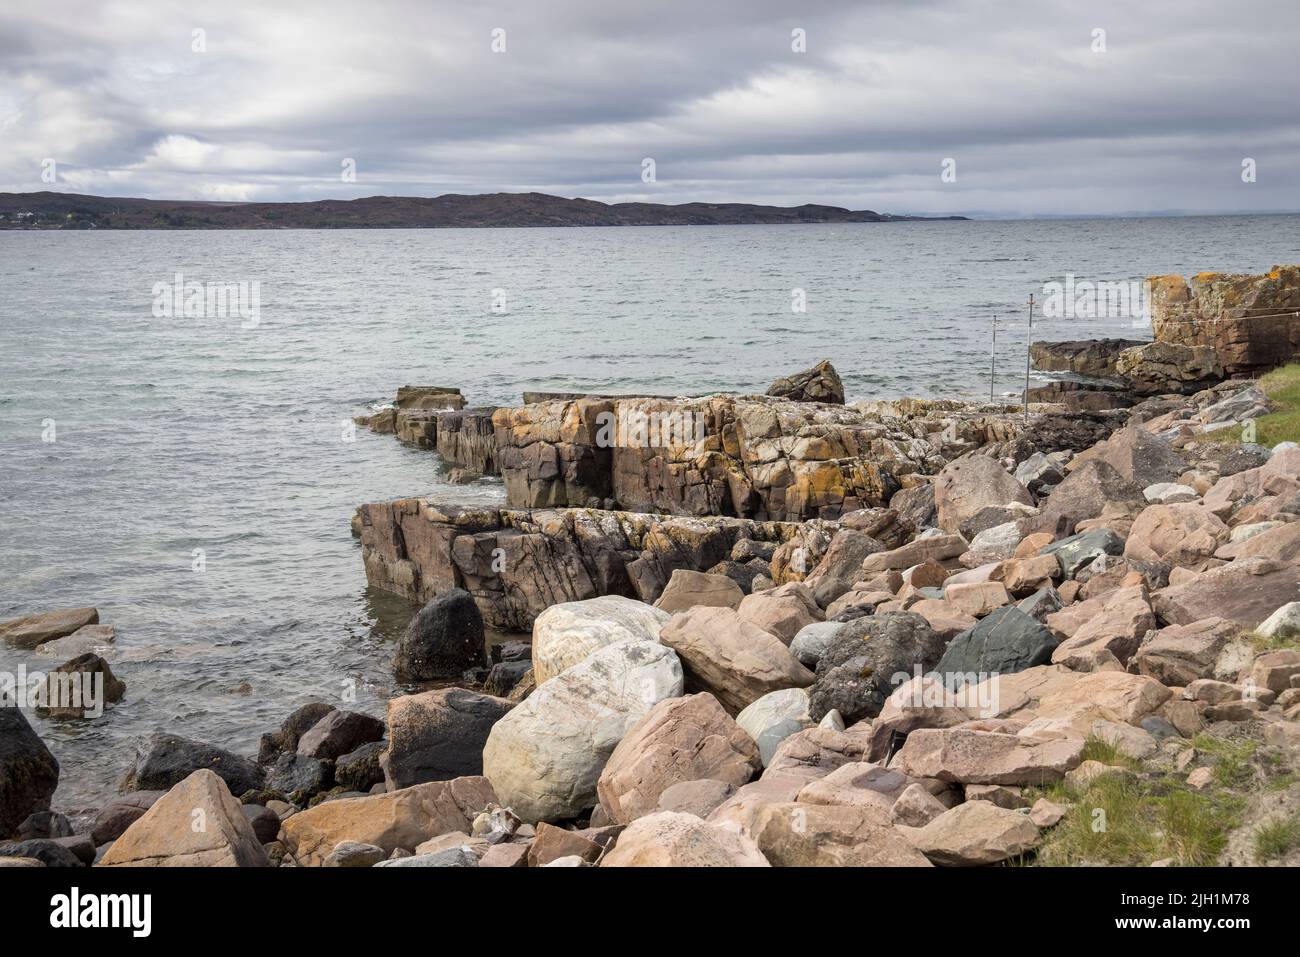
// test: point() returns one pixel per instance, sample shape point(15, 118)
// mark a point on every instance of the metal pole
point(993, 358)
point(1029, 338)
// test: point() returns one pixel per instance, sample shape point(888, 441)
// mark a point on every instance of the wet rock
point(80, 688)
point(88, 639)
point(291, 730)
point(339, 733)
point(504, 676)
point(442, 640)
point(360, 770)
point(265, 823)
point(32, 630)
point(165, 760)
point(298, 777)
point(29, 773)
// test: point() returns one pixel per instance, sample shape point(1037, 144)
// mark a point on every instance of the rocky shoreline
point(783, 630)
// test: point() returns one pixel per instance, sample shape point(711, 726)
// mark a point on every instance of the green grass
point(1282, 386)
point(1126, 822)
point(1232, 768)
point(1095, 749)
point(1277, 838)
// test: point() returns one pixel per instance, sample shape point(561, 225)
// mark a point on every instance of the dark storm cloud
point(1036, 120)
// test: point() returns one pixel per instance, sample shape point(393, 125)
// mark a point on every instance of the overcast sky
point(271, 98)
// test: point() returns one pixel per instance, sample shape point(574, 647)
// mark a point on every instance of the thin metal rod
point(993, 359)
point(1029, 338)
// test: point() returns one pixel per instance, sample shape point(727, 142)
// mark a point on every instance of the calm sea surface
point(174, 434)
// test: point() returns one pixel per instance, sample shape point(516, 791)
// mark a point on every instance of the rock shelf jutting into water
point(779, 630)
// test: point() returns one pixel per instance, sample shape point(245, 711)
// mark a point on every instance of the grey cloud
point(1037, 122)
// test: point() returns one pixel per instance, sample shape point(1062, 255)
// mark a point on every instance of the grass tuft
point(1277, 838)
point(1282, 386)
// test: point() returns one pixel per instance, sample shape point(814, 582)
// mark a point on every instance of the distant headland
point(51, 210)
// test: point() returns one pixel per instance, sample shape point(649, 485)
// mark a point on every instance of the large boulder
point(1180, 654)
point(862, 667)
point(812, 641)
point(687, 588)
point(438, 735)
point(32, 630)
point(1005, 641)
point(29, 774)
point(813, 835)
point(195, 824)
point(1077, 552)
point(774, 717)
point(442, 640)
point(1245, 591)
point(165, 760)
point(821, 383)
point(565, 634)
point(545, 757)
point(339, 733)
point(734, 659)
point(681, 739)
point(669, 839)
point(975, 833)
point(1117, 629)
point(781, 611)
point(1137, 455)
point(971, 756)
point(401, 819)
point(1186, 534)
point(1083, 495)
point(969, 485)
point(1159, 368)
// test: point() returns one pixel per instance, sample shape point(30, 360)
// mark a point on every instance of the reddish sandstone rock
point(1185, 534)
point(971, 484)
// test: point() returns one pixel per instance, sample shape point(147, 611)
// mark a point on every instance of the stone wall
point(518, 562)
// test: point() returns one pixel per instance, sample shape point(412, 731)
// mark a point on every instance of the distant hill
point(72, 211)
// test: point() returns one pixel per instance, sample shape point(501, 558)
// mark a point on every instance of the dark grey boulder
point(298, 777)
point(360, 770)
point(1005, 641)
point(1077, 551)
point(504, 676)
point(438, 735)
point(338, 733)
point(862, 666)
point(48, 851)
point(1046, 601)
point(113, 820)
point(28, 772)
point(443, 639)
point(164, 760)
point(45, 824)
point(264, 822)
point(298, 723)
point(916, 506)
